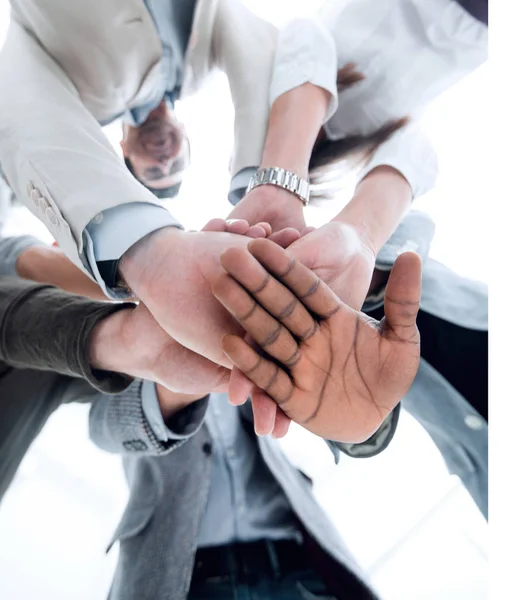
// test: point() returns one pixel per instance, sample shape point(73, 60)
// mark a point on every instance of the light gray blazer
point(54, 94)
point(169, 484)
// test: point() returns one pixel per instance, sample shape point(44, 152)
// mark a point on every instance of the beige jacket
point(67, 65)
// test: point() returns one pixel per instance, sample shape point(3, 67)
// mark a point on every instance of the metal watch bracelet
point(281, 178)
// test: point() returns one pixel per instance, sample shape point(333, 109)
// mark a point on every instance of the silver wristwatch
point(281, 178)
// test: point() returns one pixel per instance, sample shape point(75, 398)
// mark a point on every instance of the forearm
point(294, 124)
point(380, 202)
point(46, 264)
point(47, 329)
point(11, 249)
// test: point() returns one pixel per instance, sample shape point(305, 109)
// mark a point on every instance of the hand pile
point(275, 318)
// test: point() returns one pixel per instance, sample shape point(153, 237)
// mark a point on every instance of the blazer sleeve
point(119, 424)
point(52, 150)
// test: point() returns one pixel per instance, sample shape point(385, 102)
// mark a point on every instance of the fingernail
point(232, 221)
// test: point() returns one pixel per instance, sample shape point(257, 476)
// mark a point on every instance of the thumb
point(402, 298)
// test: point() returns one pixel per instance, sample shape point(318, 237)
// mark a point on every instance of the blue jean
point(298, 585)
point(261, 570)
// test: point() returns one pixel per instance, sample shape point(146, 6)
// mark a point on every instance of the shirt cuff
point(239, 184)
point(412, 154)
point(378, 442)
point(112, 232)
point(10, 250)
point(306, 54)
point(182, 425)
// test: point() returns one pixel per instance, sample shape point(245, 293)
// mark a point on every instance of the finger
point(268, 292)
point(306, 285)
point(281, 424)
point(239, 387)
point(256, 231)
point(266, 227)
point(267, 332)
point(264, 412)
point(402, 298)
point(263, 373)
point(217, 225)
point(237, 226)
point(285, 237)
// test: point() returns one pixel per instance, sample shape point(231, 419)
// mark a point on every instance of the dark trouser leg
point(263, 571)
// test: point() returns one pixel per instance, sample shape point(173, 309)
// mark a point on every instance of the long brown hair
point(324, 171)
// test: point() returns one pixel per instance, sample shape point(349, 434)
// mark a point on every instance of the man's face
point(158, 150)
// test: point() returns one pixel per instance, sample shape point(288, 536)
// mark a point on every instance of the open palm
point(331, 369)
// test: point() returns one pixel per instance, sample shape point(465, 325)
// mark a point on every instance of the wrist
point(294, 124)
point(173, 402)
point(275, 178)
point(106, 350)
point(289, 159)
point(132, 268)
point(380, 202)
point(357, 236)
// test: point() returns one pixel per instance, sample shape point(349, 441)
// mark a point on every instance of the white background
point(411, 525)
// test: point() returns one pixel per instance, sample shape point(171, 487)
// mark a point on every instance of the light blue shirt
point(245, 502)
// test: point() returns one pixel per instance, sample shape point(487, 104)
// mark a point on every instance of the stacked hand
point(329, 367)
point(344, 260)
point(133, 342)
point(307, 355)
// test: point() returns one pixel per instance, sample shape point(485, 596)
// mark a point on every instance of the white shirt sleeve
point(409, 151)
point(243, 47)
point(409, 52)
point(306, 53)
